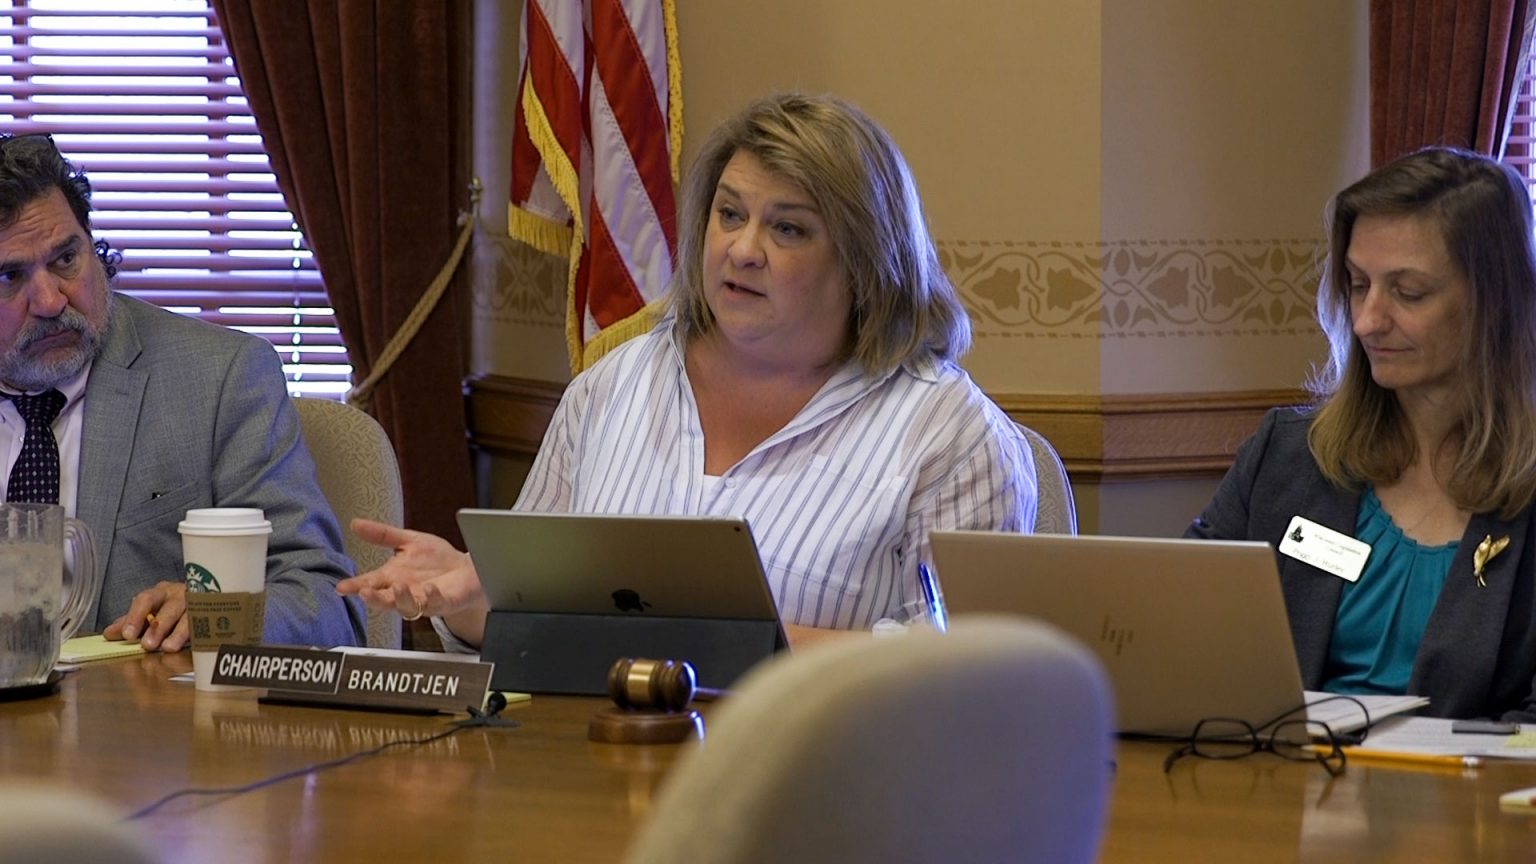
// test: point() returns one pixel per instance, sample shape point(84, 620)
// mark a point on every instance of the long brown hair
point(1483, 211)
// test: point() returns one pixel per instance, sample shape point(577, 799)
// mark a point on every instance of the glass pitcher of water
point(43, 592)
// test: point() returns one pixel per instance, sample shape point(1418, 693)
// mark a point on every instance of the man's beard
point(32, 375)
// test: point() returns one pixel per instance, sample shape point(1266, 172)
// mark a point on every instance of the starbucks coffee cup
point(224, 555)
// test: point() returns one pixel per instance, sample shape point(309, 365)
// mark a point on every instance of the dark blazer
point(180, 414)
point(1478, 655)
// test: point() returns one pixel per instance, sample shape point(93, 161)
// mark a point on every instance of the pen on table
point(149, 621)
point(932, 598)
point(1391, 757)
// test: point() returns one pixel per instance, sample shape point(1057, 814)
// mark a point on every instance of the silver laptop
point(661, 566)
point(1186, 629)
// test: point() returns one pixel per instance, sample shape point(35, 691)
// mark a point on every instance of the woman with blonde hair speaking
point(1409, 486)
point(805, 377)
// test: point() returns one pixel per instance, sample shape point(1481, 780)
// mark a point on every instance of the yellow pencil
point(1393, 757)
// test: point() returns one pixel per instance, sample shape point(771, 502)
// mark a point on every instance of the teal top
point(1381, 617)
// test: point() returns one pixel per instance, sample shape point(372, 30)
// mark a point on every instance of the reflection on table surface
point(542, 792)
point(1262, 809)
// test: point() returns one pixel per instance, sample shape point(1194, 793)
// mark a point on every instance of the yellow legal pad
point(85, 649)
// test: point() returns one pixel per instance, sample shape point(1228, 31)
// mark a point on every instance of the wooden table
point(542, 792)
point(1264, 809)
point(539, 792)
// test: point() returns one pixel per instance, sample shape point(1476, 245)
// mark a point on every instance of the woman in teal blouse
point(1420, 451)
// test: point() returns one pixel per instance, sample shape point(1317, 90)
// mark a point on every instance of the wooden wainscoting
point(1107, 438)
point(508, 416)
point(1102, 439)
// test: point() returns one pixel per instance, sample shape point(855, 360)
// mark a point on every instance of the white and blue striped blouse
point(841, 500)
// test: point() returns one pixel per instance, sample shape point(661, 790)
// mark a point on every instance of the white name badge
point(1325, 548)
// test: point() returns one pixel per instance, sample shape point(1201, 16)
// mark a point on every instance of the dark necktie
point(35, 478)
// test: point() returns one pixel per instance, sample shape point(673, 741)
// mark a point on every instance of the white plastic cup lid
point(225, 521)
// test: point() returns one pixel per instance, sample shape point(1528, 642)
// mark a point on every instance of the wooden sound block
point(625, 726)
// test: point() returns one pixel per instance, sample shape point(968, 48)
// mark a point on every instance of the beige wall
point(1127, 192)
point(995, 104)
point(518, 295)
point(1226, 128)
point(518, 313)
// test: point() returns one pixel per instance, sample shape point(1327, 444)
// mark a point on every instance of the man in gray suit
point(158, 414)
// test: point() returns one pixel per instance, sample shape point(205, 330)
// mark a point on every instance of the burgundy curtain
point(1444, 72)
point(357, 101)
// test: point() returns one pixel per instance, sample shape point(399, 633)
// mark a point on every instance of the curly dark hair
point(31, 166)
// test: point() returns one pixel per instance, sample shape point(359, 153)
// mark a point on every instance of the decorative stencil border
point(1136, 288)
point(512, 282)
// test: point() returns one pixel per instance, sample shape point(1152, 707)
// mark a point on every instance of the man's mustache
point(70, 321)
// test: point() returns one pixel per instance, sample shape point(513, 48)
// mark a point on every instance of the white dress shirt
point(67, 430)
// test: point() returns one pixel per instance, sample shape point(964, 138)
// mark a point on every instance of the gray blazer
point(1478, 655)
point(179, 414)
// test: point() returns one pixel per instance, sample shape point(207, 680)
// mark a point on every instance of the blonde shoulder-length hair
point(1359, 433)
point(904, 307)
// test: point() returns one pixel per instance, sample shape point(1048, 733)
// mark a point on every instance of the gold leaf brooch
point(1486, 551)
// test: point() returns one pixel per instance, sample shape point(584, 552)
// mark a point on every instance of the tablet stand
point(564, 653)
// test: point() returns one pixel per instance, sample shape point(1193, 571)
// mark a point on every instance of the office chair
point(1057, 512)
point(989, 743)
point(356, 468)
point(54, 825)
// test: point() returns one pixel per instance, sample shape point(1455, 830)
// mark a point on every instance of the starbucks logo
point(199, 578)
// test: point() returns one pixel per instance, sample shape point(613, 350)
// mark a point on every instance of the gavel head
point(654, 685)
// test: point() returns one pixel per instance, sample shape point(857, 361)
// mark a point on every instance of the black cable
point(477, 718)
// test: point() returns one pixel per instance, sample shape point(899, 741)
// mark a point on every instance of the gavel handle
point(709, 694)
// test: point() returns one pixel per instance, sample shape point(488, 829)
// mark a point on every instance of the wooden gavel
point(652, 698)
point(655, 685)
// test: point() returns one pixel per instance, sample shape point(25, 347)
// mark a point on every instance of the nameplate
point(354, 680)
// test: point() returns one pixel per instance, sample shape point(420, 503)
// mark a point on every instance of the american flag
point(595, 145)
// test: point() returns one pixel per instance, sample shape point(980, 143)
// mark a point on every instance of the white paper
point(1343, 715)
point(1433, 736)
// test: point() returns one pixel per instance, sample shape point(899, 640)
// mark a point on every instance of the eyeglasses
point(1231, 738)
